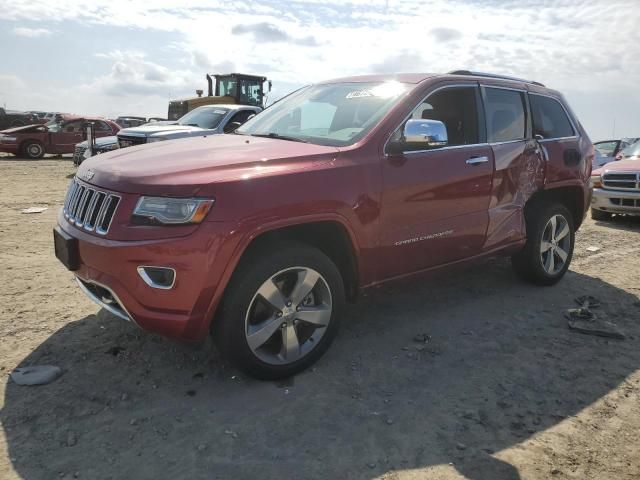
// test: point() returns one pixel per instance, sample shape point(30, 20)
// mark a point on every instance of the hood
point(183, 167)
point(100, 141)
point(622, 165)
point(150, 129)
point(25, 129)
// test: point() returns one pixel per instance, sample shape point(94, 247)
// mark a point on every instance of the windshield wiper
point(279, 137)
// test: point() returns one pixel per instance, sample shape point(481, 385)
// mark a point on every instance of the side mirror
point(419, 135)
point(425, 134)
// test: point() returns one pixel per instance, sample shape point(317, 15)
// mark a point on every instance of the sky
point(130, 57)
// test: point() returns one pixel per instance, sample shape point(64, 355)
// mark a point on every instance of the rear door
point(519, 167)
point(434, 202)
point(558, 138)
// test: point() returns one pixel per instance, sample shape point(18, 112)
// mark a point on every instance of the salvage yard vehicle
point(611, 148)
point(127, 122)
point(208, 120)
point(33, 141)
point(260, 237)
point(12, 118)
point(232, 88)
point(102, 145)
point(616, 187)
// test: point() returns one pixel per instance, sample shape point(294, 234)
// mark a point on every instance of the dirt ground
point(502, 389)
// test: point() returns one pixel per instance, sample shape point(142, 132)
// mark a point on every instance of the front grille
point(625, 202)
point(78, 154)
point(125, 141)
point(621, 181)
point(89, 208)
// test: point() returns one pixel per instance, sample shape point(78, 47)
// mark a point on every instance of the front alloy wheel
point(280, 311)
point(288, 315)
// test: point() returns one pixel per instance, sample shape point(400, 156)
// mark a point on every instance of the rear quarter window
point(549, 118)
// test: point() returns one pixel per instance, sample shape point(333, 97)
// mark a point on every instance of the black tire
point(599, 215)
point(33, 149)
point(229, 328)
point(528, 263)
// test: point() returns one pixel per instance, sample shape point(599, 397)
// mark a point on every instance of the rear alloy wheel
point(33, 149)
point(549, 248)
point(281, 311)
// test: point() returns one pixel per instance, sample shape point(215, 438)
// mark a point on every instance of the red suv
point(260, 237)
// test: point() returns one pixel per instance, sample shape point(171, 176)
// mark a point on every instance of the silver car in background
point(200, 122)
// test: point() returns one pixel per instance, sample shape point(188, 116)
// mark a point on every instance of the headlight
point(155, 139)
point(7, 139)
point(596, 181)
point(171, 211)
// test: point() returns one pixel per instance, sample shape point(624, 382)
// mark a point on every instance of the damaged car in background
point(101, 145)
point(200, 122)
point(60, 137)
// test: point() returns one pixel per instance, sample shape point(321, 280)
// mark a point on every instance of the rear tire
point(280, 337)
point(33, 149)
point(601, 216)
point(550, 240)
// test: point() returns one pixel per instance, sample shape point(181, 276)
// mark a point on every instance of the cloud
point(443, 34)
point(31, 32)
point(269, 33)
point(401, 62)
point(273, 37)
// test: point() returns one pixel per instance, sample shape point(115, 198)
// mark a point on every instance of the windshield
point(632, 150)
point(53, 126)
point(336, 114)
point(204, 117)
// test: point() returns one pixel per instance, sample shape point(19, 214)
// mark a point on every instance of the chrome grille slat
point(89, 208)
point(628, 181)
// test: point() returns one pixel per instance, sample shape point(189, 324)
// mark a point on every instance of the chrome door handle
point(477, 160)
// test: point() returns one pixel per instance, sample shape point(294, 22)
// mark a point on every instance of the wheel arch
point(571, 196)
point(329, 235)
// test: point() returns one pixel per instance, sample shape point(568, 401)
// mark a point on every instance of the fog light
point(158, 277)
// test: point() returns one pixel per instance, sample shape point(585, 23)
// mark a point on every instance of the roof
point(230, 106)
point(398, 77)
point(419, 77)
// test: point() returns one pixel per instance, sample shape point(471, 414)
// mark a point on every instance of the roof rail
point(491, 75)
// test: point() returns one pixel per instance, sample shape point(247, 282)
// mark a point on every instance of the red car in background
point(61, 136)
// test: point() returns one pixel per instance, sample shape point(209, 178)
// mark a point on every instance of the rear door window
point(549, 118)
point(505, 115)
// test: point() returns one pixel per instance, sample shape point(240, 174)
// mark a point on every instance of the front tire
point(281, 310)
point(599, 215)
point(33, 149)
point(549, 248)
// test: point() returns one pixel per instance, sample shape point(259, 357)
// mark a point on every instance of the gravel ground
point(498, 388)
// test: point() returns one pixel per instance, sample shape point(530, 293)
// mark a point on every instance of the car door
point(65, 140)
point(519, 165)
point(239, 117)
point(435, 201)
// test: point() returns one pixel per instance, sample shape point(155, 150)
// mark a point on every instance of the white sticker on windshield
point(220, 112)
point(388, 89)
point(359, 94)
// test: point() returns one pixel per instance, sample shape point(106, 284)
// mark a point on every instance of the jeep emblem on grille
point(88, 175)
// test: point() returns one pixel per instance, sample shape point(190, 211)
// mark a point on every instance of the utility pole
point(613, 135)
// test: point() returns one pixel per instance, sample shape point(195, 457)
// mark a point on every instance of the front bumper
point(108, 275)
point(10, 148)
point(615, 201)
